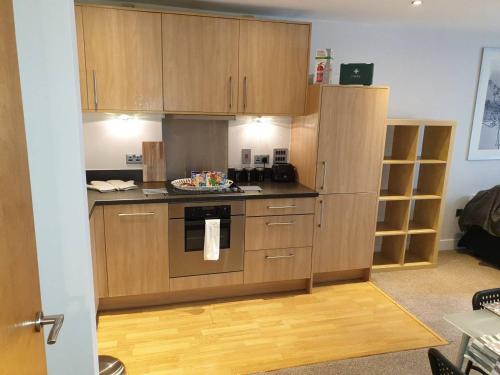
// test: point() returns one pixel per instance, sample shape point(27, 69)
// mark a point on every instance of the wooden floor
point(262, 333)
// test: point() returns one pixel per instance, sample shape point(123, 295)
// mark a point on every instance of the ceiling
point(470, 14)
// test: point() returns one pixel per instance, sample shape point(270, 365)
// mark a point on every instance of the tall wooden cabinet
point(337, 148)
point(351, 138)
point(274, 59)
point(123, 59)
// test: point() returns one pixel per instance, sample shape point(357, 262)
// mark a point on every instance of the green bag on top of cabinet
point(356, 74)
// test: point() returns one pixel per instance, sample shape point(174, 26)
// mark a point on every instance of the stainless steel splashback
point(194, 144)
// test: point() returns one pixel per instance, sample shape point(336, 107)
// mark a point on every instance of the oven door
point(186, 241)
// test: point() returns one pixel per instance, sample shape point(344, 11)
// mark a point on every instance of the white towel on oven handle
point(211, 246)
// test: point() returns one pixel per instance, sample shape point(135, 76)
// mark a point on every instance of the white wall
point(261, 135)
point(108, 138)
point(432, 74)
point(46, 42)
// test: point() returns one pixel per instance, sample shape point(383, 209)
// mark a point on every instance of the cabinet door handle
point(288, 223)
point(94, 78)
point(230, 92)
point(320, 223)
point(323, 182)
point(279, 256)
point(281, 207)
point(244, 93)
point(138, 214)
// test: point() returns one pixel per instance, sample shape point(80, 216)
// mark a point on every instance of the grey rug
point(428, 294)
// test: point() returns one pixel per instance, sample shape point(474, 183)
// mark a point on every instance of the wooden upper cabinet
point(123, 59)
point(351, 139)
point(273, 60)
point(137, 248)
point(81, 57)
point(344, 237)
point(200, 63)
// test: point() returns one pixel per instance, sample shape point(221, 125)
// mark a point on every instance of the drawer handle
point(279, 256)
point(289, 223)
point(138, 214)
point(281, 207)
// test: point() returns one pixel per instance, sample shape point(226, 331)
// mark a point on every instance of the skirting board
point(448, 244)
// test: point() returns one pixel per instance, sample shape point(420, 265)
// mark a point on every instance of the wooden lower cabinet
point(98, 246)
point(277, 265)
point(278, 232)
point(137, 248)
point(344, 232)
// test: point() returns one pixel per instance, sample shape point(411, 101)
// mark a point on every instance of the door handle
point(323, 182)
point(230, 92)
point(288, 223)
point(244, 93)
point(56, 321)
point(96, 101)
point(320, 213)
point(281, 207)
point(138, 214)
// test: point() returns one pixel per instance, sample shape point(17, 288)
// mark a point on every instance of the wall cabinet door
point(351, 139)
point(81, 57)
point(123, 59)
point(200, 63)
point(344, 234)
point(136, 248)
point(274, 59)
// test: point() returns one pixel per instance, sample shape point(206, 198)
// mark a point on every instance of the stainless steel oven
point(186, 226)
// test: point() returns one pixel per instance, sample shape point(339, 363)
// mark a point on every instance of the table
point(473, 324)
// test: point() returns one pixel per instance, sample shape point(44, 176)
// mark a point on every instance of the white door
point(48, 67)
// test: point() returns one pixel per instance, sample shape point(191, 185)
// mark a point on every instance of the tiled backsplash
point(109, 137)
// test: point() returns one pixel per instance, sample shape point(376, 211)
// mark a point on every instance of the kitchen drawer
point(206, 281)
point(276, 265)
point(278, 232)
point(282, 206)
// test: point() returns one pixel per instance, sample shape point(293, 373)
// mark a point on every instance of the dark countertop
point(269, 190)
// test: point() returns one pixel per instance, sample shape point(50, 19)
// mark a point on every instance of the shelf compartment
point(392, 218)
point(401, 144)
point(420, 248)
point(430, 181)
point(424, 216)
point(435, 144)
point(389, 252)
point(397, 181)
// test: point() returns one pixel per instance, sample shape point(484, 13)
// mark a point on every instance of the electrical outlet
point(246, 156)
point(280, 156)
point(261, 159)
point(133, 158)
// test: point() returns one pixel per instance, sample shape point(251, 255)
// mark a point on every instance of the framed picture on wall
point(485, 137)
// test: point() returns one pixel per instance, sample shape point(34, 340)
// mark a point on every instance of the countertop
point(269, 190)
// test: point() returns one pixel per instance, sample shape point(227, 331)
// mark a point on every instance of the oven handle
point(192, 223)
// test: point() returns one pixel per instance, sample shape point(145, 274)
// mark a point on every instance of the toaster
point(283, 172)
